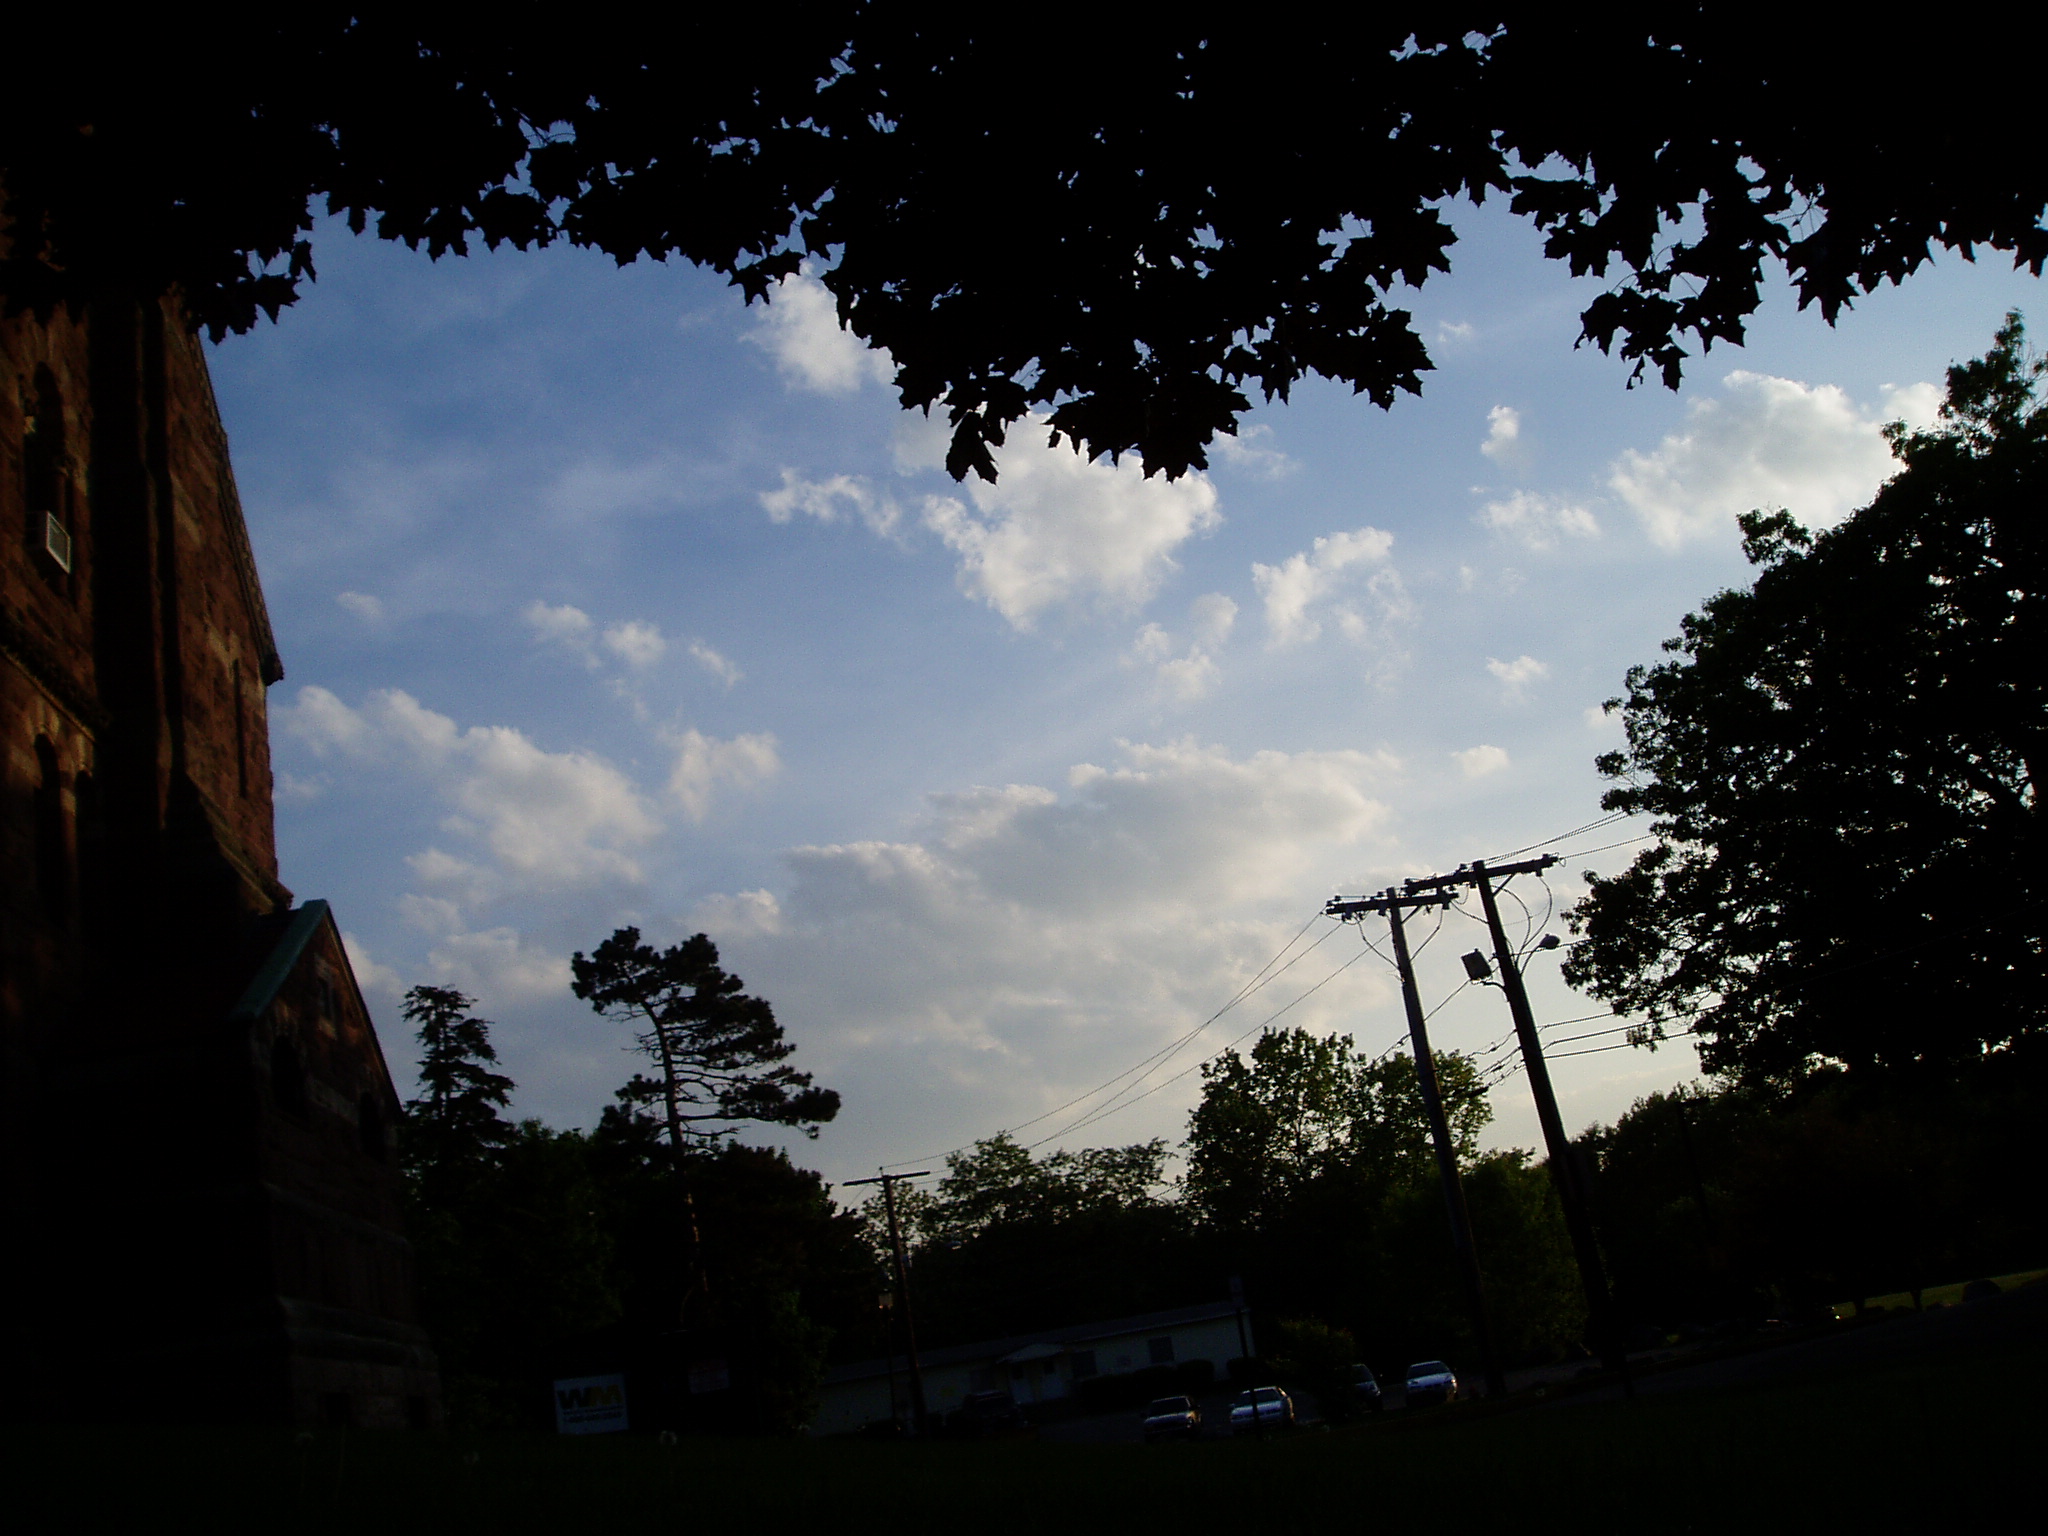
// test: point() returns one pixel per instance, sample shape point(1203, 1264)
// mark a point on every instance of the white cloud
point(1189, 677)
point(1478, 762)
point(1250, 451)
point(800, 329)
point(1537, 521)
point(1153, 643)
point(1056, 528)
point(714, 663)
point(1598, 719)
point(497, 967)
point(1504, 443)
point(1293, 589)
point(1192, 674)
point(1454, 331)
point(831, 499)
point(1766, 442)
point(371, 975)
point(1023, 943)
point(543, 818)
point(704, 765)
point(365, 607)
point(636, 642)
point(1516, 676)
point(1214, 616)
point(566, 626)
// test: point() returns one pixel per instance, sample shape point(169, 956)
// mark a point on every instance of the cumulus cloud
point(566, 626)
point(637, 643)
point(714, 663)
point(831, 499)
point(1298, 589)
point(1023, 938)
point(1516, 676)
point(1504, 443)
point(1214, 616)
point(1057, 528)
point(543, 819)
point(1765, 442)
point(1478, 762)
point(499, 967)
point(1539, 522)
point(705, 765)
point(365, 607)
point(1251, 451)
point(799, 327)
point(371, 975)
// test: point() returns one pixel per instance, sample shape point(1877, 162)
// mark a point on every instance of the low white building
point(1032, 1368)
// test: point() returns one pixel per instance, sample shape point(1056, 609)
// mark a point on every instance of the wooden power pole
point(888, 1181)
point(1446, 1150)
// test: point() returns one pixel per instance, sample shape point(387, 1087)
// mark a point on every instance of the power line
point(1171, 1048)
point(1600, 821)
point(1121, 1103)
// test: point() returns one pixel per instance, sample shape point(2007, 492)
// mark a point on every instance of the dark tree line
point(1134, 228)
point(546, 1253)
point(1306, 1173)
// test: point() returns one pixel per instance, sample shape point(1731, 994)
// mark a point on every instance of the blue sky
point(605, 599)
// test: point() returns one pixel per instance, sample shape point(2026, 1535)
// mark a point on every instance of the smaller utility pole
point(888, 1181)
point(1391, 903)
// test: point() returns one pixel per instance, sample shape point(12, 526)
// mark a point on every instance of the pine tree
point(720, 1052)
point(454, 1126)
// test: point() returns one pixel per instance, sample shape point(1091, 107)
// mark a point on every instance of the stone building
point(197, 1171)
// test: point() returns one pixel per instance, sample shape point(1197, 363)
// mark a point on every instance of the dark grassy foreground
point(1943, 1441)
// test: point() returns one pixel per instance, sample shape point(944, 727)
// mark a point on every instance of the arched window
point(53, 853)
point(287, 1076)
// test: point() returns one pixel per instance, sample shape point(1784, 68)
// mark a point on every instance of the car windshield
point(1428, 1368)
point(1165, 1405)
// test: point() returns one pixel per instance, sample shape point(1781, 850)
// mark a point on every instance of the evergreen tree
point(455, 1123)
point(720, 1052)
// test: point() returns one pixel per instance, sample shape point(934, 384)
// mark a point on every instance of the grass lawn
point(1943, 1442)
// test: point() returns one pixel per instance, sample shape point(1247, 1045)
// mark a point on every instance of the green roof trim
point(270, 976)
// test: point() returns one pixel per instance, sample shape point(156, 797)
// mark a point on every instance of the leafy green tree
point(1304, 1109)
point(721, 1054)
point(998, 1183)
point(1843, 763)
point(1197, 206)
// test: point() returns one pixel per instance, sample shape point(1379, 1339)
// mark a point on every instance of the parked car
point(1365, 1389)
point(1430, 1382)
point(988, 1416)
point(1172, 1418)
point(1261, 1408)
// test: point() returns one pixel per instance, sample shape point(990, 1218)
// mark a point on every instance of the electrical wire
point(1600, 821)
point(1172, 1048)
point(1120, 1102)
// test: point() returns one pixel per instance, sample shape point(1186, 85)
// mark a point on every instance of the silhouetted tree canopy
point(456, 1123)
point(1301, 1110)
point(721, 1055)
point(1128, 228)
point(1844, 762)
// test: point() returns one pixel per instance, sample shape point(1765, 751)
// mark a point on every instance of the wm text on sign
point(590, 1405)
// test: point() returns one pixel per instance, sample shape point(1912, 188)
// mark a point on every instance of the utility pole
point(888, 1182)
point(1439, 1124)
point(1565, 1170)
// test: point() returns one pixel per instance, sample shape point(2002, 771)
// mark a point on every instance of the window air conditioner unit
point(57, 542)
